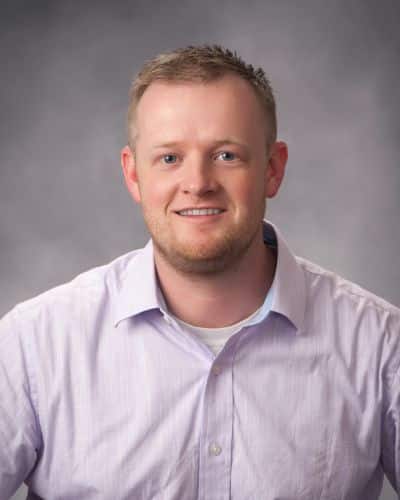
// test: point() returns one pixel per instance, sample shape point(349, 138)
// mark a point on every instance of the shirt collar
point(289, 297)
point(139, 290)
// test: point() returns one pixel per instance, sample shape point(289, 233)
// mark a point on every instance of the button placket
point(217, 437)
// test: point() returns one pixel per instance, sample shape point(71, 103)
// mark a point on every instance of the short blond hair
point(204, 63)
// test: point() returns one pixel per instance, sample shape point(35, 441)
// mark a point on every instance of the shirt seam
point(63, 291)
point(370, 300)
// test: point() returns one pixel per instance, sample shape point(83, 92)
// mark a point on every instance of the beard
point(215, 259)
point(212, 255)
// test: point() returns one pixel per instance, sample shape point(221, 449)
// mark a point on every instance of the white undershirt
point(215, 338)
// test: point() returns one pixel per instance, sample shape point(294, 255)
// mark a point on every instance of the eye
point(226, 156)
point(169, 159)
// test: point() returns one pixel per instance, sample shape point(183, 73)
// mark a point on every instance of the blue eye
point(169, 159)
point(227, 156)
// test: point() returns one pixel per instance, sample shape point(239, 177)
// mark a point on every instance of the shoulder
point(341, 292)
point(349, 311)
point(354, 322)
point(92, 289)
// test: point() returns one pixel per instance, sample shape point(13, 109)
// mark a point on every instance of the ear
point(128, 164)
point(275, 172)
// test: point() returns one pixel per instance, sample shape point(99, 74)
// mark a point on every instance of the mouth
point(199, 212)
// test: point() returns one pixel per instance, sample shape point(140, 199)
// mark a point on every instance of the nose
point(198, 177)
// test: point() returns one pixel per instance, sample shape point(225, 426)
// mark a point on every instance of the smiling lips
point(200, 211)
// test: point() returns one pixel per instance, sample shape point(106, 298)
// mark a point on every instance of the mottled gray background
point(65, 73)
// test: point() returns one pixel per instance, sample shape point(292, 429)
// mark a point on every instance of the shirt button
point(215, 449)
point(216, 369)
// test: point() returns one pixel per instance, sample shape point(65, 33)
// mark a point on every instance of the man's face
point(201, 171)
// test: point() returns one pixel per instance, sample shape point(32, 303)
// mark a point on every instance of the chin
point(204, 259)
point(204, 265)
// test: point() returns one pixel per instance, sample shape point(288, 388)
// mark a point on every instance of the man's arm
point(19, 437)
point(390, 435)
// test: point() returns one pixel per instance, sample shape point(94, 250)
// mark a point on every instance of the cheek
point(156, 192)
point(249, 191)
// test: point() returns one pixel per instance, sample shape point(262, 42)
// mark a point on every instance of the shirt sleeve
point(390, 435)
point(19, 437)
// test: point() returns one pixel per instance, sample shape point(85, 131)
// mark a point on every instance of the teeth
point(201, 211)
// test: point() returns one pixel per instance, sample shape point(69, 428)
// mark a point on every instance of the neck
point(213, 301)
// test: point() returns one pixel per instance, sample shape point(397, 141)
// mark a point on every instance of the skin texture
point(204, 145)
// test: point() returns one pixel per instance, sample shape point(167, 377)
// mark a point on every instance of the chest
point(163, 425)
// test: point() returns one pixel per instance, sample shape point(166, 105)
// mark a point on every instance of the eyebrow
point(221, 142)
point(165, 145)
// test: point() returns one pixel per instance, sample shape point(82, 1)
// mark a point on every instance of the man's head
point(202, 64)
point(202, 162)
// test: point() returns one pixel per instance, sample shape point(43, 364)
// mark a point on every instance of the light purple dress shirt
point(104, 396)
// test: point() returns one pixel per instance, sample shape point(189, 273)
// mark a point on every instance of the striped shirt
point(105, 396)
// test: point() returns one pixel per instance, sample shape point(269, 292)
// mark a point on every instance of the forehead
point(197, 108)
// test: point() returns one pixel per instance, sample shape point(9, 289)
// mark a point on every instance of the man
point(212, 364)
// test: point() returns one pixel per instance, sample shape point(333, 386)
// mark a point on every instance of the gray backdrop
point(65, 73)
